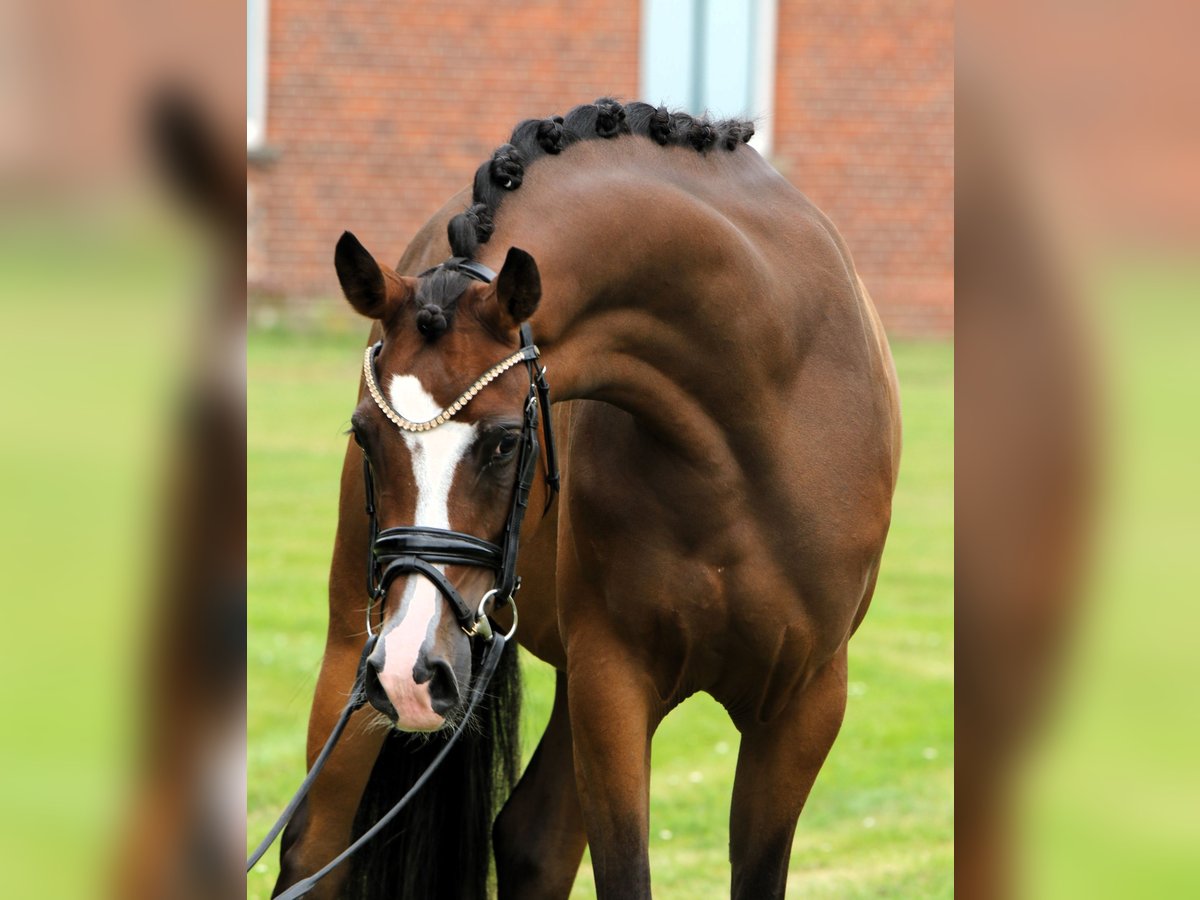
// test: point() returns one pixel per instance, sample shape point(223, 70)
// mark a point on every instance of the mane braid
point(606, 119)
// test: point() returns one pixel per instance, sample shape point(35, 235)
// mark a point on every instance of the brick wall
point(864, 125)
point(378, 112)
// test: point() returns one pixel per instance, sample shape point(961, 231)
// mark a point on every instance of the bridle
point(422, 549)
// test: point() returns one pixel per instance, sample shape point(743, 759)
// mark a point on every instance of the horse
point(726, 413)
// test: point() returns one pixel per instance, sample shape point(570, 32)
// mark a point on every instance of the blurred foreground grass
point(95, 307)
point(1110, 799)
point(880, 819)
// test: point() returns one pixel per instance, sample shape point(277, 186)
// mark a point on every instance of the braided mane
point(606, 119)
point(534, 138)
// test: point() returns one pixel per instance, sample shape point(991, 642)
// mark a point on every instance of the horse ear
point(363, 280)
point(519, 286)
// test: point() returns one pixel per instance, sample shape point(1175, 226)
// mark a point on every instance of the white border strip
point(765, 42)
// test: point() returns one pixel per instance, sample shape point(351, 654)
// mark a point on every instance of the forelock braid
point(437, 300)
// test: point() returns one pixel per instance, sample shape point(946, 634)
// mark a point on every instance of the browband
point(525, 354)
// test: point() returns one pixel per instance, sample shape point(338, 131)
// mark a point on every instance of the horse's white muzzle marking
point(435, 455)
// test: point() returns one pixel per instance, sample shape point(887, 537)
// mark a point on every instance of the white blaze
point(435, 457)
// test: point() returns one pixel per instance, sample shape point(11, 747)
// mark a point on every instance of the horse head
point(448, 428)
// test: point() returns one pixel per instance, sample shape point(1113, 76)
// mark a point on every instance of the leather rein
point(421, 550)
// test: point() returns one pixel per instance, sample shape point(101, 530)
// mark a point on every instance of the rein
point(420, 549)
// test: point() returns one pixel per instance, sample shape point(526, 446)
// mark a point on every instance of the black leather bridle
point(421, 549)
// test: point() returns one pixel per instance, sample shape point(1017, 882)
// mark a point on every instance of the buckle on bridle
point(482, 626)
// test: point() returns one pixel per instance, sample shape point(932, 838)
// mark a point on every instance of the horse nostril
point(443, 685)
point(376, 695)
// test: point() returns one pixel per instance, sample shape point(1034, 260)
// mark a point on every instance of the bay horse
point(728, 425)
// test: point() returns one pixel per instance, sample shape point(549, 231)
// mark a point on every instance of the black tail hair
point(440, 845)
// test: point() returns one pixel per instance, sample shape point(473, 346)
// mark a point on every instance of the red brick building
point(369, 115)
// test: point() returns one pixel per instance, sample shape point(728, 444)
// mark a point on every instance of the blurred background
point(1077, 280)
point(122, 460)
point(369, 115)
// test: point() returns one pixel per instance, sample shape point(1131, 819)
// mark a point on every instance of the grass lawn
point(879, 821)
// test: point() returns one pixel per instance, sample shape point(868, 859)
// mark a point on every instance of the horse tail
point(440, 845)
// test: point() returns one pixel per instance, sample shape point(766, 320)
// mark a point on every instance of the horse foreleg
point(613, 716)
point(777, 765)
point(539, 836)
point(321, 827)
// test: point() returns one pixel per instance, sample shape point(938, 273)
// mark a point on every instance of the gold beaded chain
point(450, 411)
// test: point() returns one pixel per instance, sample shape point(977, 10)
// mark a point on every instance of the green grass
point(879, 821)
point(1111, 786)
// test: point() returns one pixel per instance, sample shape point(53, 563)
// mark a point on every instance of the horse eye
point(505, 447)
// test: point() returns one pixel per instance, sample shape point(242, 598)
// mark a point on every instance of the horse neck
point(643, 293)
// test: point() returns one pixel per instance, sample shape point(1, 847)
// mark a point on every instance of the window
point(715, 56)
point(256, 74)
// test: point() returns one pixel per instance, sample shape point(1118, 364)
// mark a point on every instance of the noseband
point(421, 549)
